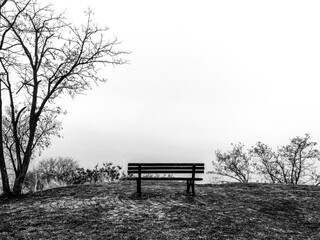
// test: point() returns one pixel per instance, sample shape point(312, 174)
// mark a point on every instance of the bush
point(51, 172)
point(107, 173)
point(61, 171)
point(294, 163)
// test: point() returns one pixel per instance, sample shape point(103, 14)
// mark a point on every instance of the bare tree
point(235, 164)
point(291, 164)
point(10, 10)
point(268, 165)
point(46, 56)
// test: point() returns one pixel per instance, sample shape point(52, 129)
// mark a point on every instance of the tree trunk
point(18, 183)
point(35, 182)
point(4, 177)
point(22, 172)
point(3, 169)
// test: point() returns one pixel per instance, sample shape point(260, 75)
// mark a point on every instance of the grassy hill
point(112, 211)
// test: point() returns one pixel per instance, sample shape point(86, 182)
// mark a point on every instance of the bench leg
point(188, 186)
point(190, 183)
point(193, 194)
point(139, 188)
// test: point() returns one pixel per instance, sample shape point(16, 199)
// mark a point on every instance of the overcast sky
point(202, 75)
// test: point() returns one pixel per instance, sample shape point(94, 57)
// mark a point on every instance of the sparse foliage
point(235, 164)
point(291, 164)
point(268, 165)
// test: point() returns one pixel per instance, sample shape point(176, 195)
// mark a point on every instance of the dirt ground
point(165, 211)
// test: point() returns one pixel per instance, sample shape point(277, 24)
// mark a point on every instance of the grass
point(112, 211)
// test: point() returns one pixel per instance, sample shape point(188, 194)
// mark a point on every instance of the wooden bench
point(165, 168)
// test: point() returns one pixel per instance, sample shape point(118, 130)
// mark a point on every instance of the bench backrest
point(173, 168)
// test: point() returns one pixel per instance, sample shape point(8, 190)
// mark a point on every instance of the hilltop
point(112, 211)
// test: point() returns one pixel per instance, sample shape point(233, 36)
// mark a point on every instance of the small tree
point(268, 164)
point(235, 164)
point(291, 164)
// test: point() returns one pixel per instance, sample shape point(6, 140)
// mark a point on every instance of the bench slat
point(165, 164)
point(164, 171)
point(163, 178)
point(167, 167)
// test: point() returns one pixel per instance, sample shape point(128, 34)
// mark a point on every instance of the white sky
point(203, 74)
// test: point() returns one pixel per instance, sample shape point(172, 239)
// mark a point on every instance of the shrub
point(53, 171)
point(66, 171)
point(290, 164)
point(107, 173)
point(58, 169)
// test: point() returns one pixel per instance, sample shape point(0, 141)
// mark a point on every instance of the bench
point(165, 168)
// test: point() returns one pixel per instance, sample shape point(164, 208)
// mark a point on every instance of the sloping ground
point(112, 211)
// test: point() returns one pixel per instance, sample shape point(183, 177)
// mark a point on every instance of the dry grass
point(112, 211)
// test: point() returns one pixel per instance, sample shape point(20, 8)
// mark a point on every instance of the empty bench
point(192, 169)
